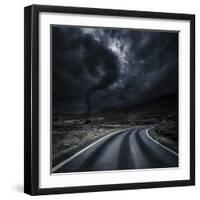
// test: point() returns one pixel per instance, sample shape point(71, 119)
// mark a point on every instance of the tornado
point(109, 74)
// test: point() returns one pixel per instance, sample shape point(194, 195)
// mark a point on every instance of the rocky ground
point(166, 132)
point(69, 132)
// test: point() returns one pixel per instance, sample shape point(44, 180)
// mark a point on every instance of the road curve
point(131, 149)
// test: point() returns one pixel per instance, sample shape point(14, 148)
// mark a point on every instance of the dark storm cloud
point(106, 68)
point(82, 66)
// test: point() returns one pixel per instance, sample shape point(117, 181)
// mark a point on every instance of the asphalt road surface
point(130, 149)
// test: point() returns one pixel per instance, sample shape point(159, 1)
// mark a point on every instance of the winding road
point(129, 149)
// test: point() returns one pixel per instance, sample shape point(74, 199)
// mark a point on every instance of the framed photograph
point(109, 100)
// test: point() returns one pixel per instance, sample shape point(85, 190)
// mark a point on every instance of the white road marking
point(83, 150)
point(164, 147)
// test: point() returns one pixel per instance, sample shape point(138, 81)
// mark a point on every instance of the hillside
point(72, 131)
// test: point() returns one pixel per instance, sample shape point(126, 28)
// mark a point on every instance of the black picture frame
point(31, 98)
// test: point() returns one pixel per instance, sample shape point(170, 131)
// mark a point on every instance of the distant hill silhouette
point(169, 102)
point(162, 104)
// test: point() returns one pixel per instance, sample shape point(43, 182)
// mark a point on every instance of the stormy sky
point(95, 69)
